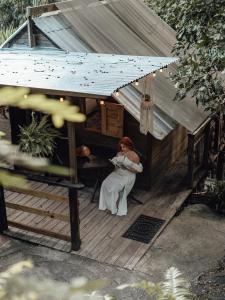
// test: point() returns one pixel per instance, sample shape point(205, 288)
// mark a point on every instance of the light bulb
point(154, 74)
point(117, 93)
point(136, 82)
point(102, 102)
point(161, 70)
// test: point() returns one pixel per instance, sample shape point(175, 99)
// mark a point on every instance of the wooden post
point(148, 177)
point(217, 133)
point(72, 151)
point(206, 145)
point(74, 219)
point(220, 166)
point(31, 38)
point(36, 11)
point(191, 145)
point(3, 216)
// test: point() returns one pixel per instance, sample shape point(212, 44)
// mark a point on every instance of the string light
point(136, 82)
point(61, 99)
point(102, 102)
point(117, 93)
point(161, 70)
point(154, 74)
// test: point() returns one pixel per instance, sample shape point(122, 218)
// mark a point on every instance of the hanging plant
point(38, 138)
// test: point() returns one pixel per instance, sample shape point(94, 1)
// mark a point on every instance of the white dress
point(116, 187)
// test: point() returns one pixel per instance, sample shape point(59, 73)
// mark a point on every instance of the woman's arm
point(136, 167)
point(132, 156)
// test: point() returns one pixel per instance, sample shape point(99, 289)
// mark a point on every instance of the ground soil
point(194, 242)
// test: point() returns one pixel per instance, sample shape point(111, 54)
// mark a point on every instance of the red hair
point(127, 142)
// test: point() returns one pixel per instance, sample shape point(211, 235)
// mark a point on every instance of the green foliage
point(167, 10)
point(9, 180)
point(13, 12)
point(60, 111)
point(38, 138)
point(173, 288)
point(215, 193)
point(200, 29)
point(10, 154)
point(14, 286)
point(6, 33)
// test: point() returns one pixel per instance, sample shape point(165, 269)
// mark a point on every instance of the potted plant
point(38, 138)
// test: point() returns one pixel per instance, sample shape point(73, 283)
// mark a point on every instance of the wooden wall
point(21, 39)
point(167, 151)
point(18, 117)
point(107, 146)
point(157, 155)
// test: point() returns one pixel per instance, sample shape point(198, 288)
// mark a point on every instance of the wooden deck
point(101, 233)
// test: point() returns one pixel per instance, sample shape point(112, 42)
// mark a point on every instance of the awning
point(81, 73)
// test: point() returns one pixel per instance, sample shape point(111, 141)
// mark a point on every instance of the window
point(104, 117)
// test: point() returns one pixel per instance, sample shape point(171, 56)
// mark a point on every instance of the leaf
point(175, 286)
point(57, 120)
point(9, 180)
point(38, 138)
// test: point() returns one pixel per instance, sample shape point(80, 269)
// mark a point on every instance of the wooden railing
point(73, 217)
point(198, 151)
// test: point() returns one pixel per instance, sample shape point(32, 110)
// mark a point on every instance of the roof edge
point(13, 35)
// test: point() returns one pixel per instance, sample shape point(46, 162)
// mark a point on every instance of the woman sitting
point(116, 187)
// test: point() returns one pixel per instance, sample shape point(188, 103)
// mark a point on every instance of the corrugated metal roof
point(118, 26)
point(83, 73)
point(124, 27)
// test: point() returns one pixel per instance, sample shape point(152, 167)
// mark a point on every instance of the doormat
point(144, 229)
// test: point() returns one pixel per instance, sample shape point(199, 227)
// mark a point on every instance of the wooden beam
point(36, 11)
point(216, 143)
point(39, 194)
point(31, 38)
point(74, 219)
point(201, 127)
point(37, 211)
point(62, 93)
point(206, 145)
point(3, 216)
point(148, 172)
point(72, 151)
point(39, 230)
point(191, 143)
point(67, 93)
point(220, 165)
